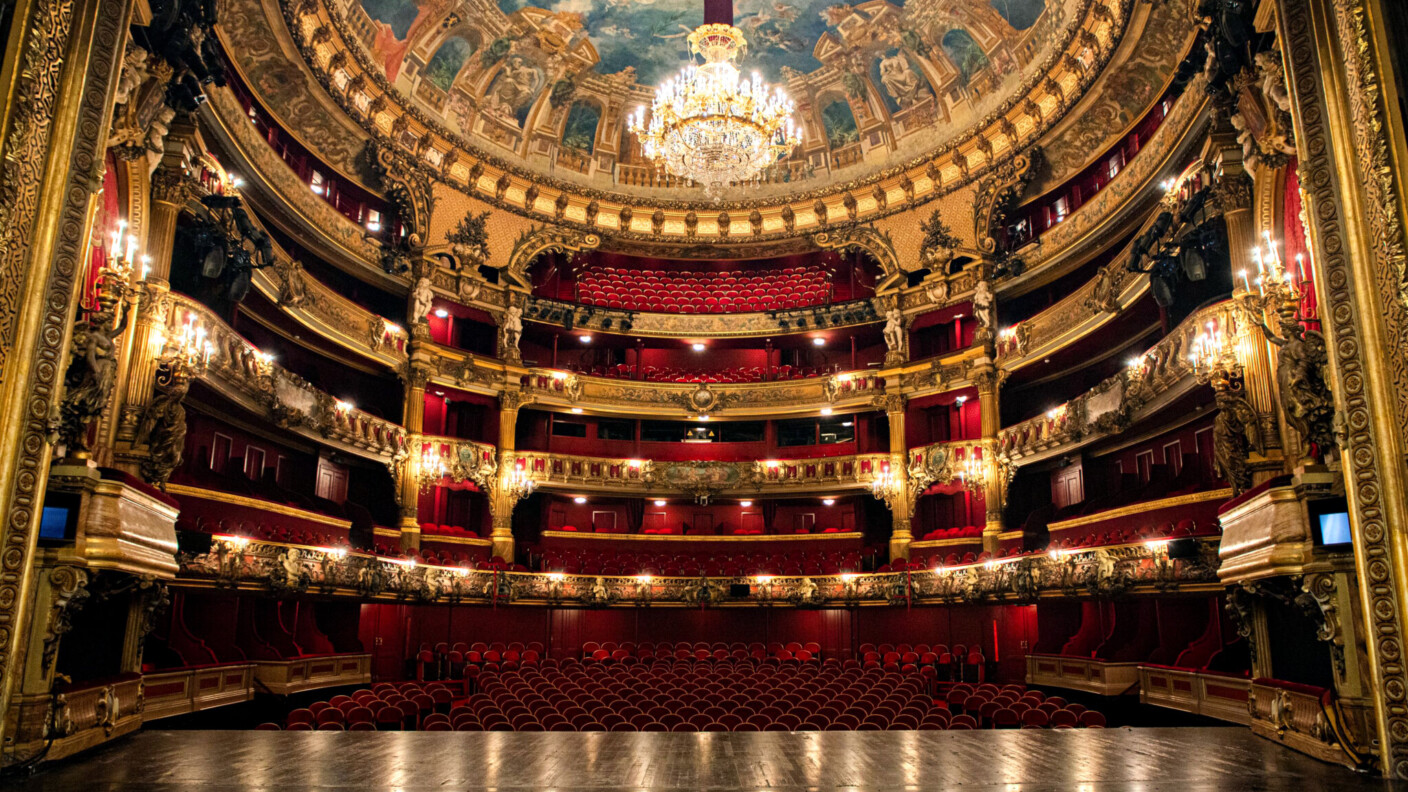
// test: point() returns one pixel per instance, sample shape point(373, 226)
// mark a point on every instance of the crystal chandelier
point(709, 124)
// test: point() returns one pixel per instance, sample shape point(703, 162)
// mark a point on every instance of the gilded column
point(413, 419)
point(58, 81)
point(901, 500)
point(985, 377)
point(171, 188)
point(1349, 133)
point(507, 490)
point(1233, 193)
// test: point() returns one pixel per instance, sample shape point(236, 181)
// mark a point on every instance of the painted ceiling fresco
point(872, 79)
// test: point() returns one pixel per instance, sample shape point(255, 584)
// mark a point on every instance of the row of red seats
point(801, 697)
point(384, 707)
point(267, 532)
point(433, 529)
point(1184, 528)
point(1001, 708)
point(720, 564)
point(722, 530)
point(680, 374)
point(959, 532)
point(704, 292)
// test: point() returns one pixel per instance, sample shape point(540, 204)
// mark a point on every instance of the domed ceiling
point(877, 83)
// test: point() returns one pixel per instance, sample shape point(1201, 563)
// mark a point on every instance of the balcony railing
point(703, 480)
point(270, 566)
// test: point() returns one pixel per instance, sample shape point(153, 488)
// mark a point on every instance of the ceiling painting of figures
point(908, 74)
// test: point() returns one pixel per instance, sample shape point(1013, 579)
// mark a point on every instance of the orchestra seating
point(704, 292)
point(695, 687)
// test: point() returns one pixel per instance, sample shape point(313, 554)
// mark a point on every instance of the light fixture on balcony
point(828, 501)
point(885, 485)
point(972, 472)
point(697, 347)
point(710, 125)
point(518, 484)
point(433, 468)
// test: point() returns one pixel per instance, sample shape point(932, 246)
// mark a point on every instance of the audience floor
point(1094, 760)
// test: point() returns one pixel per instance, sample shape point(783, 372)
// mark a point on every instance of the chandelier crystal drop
point(712, 126)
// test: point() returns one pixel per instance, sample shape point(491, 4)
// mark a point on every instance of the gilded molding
point(46, 90)
point(1323, 40)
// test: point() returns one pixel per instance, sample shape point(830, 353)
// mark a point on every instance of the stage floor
point(1109, 760)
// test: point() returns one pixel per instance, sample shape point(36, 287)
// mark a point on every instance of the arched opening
point(447, 62)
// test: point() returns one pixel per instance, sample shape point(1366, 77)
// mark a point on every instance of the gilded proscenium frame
point(58, 98)
point(1350, 141)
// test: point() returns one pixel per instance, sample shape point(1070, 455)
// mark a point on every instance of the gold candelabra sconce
point(518, 484)
point(1213, 355)
point(186, 354)
point(433, 468)
point(1276, 300)
point(886, 485)
point(973, 472)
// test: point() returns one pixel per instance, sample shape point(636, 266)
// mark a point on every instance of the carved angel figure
point(163, 431)
point(1305, 399)
point(511, 329)
point(1235, 434)
point(894, 330)
point(984, 305)
point(422, 298)
point(1273, 79)
point(91, 371)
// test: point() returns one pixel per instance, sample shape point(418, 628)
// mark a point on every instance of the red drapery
point(1293, 238)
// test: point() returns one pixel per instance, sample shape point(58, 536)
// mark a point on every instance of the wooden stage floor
point(1110, 760)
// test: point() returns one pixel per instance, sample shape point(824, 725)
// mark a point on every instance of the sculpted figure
point(512, 329)
point(422, 298)
point(894, 330)
point(91, 372)
point(900, 80)
point(984, 306)
point(163, 431)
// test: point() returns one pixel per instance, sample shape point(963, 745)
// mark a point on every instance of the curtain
point(769, 509)
point(635, 514)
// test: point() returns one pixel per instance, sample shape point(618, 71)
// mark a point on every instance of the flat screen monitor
point(56, 523)
point(1334, 528)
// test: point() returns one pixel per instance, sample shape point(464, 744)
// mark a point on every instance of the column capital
point(173, 185)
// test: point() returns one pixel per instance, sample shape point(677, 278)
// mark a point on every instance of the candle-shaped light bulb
point(131, 248)
point(1300, 267)
point(1256, 256)
point(146, 266)
point(1246, 284)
